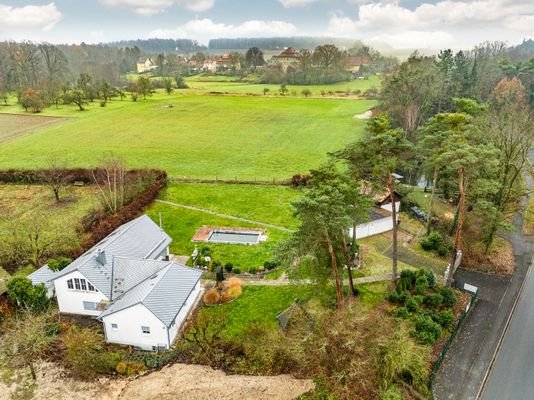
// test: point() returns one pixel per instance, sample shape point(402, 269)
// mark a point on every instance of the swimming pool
point(234, 237)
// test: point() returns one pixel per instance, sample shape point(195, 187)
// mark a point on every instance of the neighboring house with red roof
point(287, 58)
point(355, 62)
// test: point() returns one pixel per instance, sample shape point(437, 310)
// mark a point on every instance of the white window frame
point(81, 285)
point(145, 330)
point(114, 326)
point(89, 302)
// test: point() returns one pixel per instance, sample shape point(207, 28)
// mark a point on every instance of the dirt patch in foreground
point(197, 382)
point(179, 381)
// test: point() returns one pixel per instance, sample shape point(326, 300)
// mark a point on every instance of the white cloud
point(151, 7)
point(42, 18)
point(205, 29)
point(295, 3)
point(454, 23)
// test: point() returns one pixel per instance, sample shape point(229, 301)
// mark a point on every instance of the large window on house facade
point(80, 284)
point(89, 305)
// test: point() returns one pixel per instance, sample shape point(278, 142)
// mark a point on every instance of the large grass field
point(199, 136)
point(267, 204)
point(231, 85)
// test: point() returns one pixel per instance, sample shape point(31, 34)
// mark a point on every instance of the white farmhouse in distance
point(127, 283)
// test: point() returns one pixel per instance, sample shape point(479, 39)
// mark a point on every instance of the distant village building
point(355, 62)
point(145, 64)
point(221, 64)
point(287, 58)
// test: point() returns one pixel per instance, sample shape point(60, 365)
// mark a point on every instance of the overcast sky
point(403, 24)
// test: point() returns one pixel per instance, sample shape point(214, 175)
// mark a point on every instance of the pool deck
point(203, 233)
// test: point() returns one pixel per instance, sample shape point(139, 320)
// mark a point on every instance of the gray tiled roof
point(140, 238)
point(163, 293)
point(43, 275)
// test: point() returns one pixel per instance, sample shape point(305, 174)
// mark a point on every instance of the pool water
point(234, 237)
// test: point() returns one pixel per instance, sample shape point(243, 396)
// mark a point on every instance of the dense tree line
point(155, 46)
point(277, 43)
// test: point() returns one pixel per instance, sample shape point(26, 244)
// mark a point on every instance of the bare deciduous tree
point(110, 179)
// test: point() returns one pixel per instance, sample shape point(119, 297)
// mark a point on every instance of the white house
point(126, 282)
point(145, 64)
point(380, 220)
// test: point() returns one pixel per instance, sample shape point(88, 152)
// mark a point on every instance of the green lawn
point(200, 136)
point(231, 85)
point(267, 204)
point(258, 305)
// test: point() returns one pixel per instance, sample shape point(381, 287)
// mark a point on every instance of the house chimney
point(101, 257)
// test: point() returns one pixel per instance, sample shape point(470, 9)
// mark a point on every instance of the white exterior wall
point(390, 209)
point(70, 301)
point(373, 228)
point(130, 321)
point(184, 312)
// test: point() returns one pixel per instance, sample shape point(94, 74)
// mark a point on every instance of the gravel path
point(280, 228)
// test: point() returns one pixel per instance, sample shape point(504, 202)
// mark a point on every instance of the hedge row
point(71, 175)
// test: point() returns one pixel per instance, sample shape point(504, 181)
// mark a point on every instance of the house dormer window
point(81, 285)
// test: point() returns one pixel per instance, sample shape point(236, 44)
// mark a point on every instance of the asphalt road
point(512, 375)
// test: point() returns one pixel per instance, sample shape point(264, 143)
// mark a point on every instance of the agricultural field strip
point(13, 127)
point(280, 228)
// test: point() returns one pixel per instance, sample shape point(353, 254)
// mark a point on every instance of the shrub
point(433, 300)
point(299, 180)
point(406, 281)
point(232, 282)
point(431, 278)
point(403, 297)
point(411, 305)
point(269, 265)
point(444, 318)
point(400, 359)
point(306, 92)
point(401, 312)
point(237, 270)
point(85, 353)
point(58, 264)
point(393, 297)
point(419, 299)
point(392, 393)
point(449, 299)
point(130, 368)
point(421, 285)
point(211, 297)
point(427, 331)
point(23, 294)
point(234, 291)
point(432, 241)
point(229, 267)
point(253, 270)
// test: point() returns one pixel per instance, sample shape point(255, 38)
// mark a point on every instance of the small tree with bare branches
point(110, 179)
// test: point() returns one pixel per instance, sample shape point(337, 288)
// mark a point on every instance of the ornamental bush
point(23, 294)
point(421, 285)
point(211, 297)
point(427, 331)
point(444, 318)
point(433, 300)
point(449, 299)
